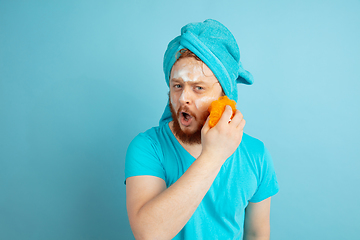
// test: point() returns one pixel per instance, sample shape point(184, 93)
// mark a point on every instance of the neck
point(194, 149)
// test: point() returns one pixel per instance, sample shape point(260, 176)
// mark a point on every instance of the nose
point(186, 97)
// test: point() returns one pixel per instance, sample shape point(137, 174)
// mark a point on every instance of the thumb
point(206, 126)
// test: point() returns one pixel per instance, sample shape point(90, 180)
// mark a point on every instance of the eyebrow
point(192, 82)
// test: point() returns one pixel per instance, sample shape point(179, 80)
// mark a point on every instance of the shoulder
point(151, 139)
point(252, 145)
point(255, 151)
point(151, 135)
point(148, 135)
point(144, 155)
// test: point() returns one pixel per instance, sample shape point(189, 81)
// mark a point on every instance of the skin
point(192, 89)
point(187, 77)
point(158, 212)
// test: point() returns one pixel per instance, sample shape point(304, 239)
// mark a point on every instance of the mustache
point(185, 109)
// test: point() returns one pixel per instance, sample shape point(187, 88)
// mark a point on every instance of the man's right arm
point(157, 212)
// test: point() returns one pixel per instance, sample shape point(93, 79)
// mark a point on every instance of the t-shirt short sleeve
point(268, 184)
point(144, 157)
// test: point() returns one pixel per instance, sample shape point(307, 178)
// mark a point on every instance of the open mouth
point(186, 115)
point(185, 118)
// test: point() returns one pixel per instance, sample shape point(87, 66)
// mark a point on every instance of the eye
point(199, 88)
point(177, 86)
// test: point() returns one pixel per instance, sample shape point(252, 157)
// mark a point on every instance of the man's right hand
point(157, 212)
point(221, 141)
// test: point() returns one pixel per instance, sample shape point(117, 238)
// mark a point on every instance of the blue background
point(80, 79)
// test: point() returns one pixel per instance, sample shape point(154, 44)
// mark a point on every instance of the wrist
point(210, 160)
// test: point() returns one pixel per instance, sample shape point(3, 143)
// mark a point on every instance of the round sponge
point(217, 108)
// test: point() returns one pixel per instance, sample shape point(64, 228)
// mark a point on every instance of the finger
point(241, 124)
point(237, 118)
point(226, 116)
point(206, 126)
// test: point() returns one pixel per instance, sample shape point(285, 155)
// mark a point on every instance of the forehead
point(192, 68)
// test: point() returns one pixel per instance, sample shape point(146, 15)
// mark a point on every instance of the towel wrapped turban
point(215, 45)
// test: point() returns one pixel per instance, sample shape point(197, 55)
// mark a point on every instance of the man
point(185, 180)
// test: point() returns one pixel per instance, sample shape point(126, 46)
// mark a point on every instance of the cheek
point(203, 103)
point(173, 100)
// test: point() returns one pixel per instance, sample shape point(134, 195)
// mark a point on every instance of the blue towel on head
point(214, 44)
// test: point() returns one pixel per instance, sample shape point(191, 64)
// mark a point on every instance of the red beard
point(188, 138)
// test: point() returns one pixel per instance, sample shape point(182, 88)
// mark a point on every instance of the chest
point(235, 184)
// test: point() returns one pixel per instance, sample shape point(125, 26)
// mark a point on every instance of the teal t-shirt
point(247, 176)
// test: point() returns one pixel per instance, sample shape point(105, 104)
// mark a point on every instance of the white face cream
point(184, 95)
point(200, 102)
point(173, 103)
point(187, 70)
point(198, 85)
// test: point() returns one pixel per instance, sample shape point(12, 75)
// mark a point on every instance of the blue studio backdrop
point(80, 79)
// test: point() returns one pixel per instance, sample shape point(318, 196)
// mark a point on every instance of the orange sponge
point(217, 108)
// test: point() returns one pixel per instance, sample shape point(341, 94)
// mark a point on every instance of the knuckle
point(220, 128)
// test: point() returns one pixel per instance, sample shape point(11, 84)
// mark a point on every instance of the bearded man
point(185, 180)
